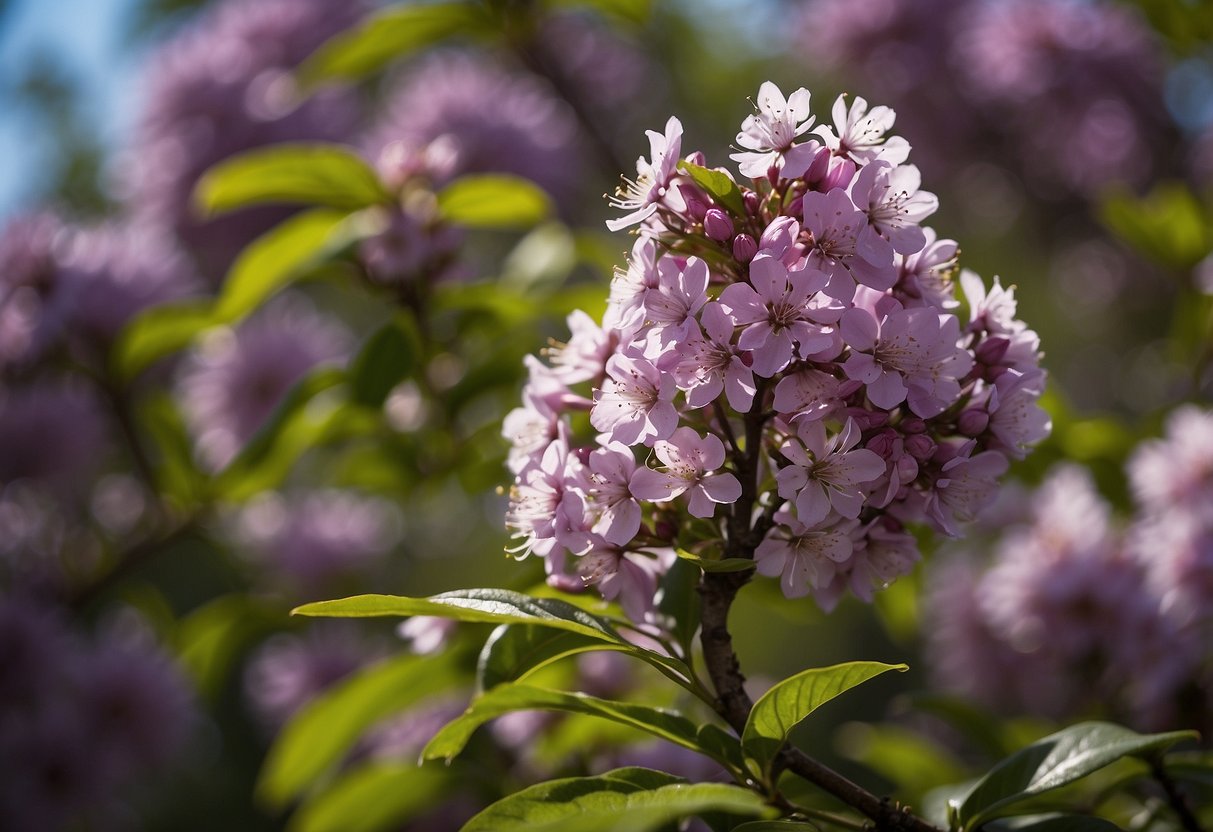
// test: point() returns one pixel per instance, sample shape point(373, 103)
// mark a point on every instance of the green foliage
point(157, 332)
point(624, 800)
point(515, 651)
point(386, 36)
point(375, 797)
point(493, 200)
point(307, 174)
point(209, 638)
point(627, 11)
point(392, 354)
point(1054, 823)
point(782, 707)
point(663, 724)
point(718, 186)
point(721, 565)
point(1051, 763)
point(320, 735)
point(1169, 225)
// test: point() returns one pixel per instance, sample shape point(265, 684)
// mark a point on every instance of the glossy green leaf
point(158, 332)
point(628, 800)
point(629, 11)
point(493, 200)
point(209, 639)
point(504, 699)
point(386, 36)
point(321, 734)
point(485, 606)
point(782, 707)
point(388, 357)
point(1054, 761)
point(717, 185)
point(1054, 823)
point(515, 651)
point(722, 565)
point(282, 255)
point(377, 797)
point(680, 603)
point(1169, 224)
point(777, 826)
point(306, 174)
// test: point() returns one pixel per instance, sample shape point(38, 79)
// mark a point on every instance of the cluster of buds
point(780, 373)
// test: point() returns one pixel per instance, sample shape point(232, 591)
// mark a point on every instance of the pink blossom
point(1177, 470)
point(805, 558)
point(807, 394)
point(625, 308)
point(861, 133)
point(894, 206)
point(635, 403)
point(692, 462)
point(826, 475)
point(604, 480)
point(909, 354)
point(778, 311)
point(583, 357)
point(670, 306)
point(835, 225)
point(707, 366)
point(544, 514)
point(1017, 421)
point(627, 577)
point(768, 136)
point(964, 487)
point(925, 277)
point(653, 179)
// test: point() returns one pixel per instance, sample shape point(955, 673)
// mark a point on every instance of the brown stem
point(1175, 798)
point(718, 590)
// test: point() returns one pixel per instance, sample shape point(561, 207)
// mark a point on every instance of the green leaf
point(504, 699)
point(515, 651)
point(628, 11)
point(376, 797)
point(627, 800)
point(157, 332)
point(722, 565)
point(776, 826)
point(308, 174)
point(779, 710)
point(209, 638)
point(680, 603)
point(386, 36)
point(717, 185)
point(1055, 823)
point(284, 254)
point(1054, 761)
point(1168, 225)
point(319, 737)
point(493, 200)
point(485, 606)
point(388, 357)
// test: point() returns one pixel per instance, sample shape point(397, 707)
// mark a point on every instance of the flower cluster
point(1077, 612)
point(781, 362)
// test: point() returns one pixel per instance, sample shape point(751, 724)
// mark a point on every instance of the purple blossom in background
point(236, 377)
point(52, 432)
point(33, 305)
point(488, 120)
point(830, 344)
point(311, 540)
point(289, 670)
point(219, 87)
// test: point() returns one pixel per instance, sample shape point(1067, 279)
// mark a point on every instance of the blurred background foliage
point(217, 405)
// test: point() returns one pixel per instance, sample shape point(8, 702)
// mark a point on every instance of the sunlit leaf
point(628, 800)
point(157, 332)
point(307, 174)
point(1054, 823)
point(209, 639)
point(504, 699)
point(388, 357)
point(1169, 224)
point(514, 651)
point(386, 36)
point(782, 707)
point(717, 185)
point(376, 797)
point(493, 200)
point(1054, 761)
point(321, 734)
point(721, 565)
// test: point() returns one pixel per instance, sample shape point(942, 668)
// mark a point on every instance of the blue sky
point(88, 36)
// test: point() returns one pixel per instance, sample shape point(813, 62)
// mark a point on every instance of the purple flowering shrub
point(782, 358)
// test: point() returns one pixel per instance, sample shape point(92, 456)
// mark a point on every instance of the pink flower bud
point(717, 225)
point(913, 426)
point(868, 419)
point(973, 422)
point(665, 529)
point(886, 444)
point(991, 350)
point(697, 158)
point(818, 167)
point(752, 203)
point(920, 446)
point(696, 200)
point(795, 208)
point(744, 248)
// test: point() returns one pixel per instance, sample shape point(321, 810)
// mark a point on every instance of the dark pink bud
point(887, 444)
point(994, 372)
point(697, 158)
point(717, 225)
point(920, 446)
point(818, 167)
point(991, 350)
point(665, 529)
point(795, 208)
point(912, 425)
point(696, 200)
point(840, 175)
point(752, 202)
point(907, 468)
point(868, 419)
point(744, 248)
point(973, 422)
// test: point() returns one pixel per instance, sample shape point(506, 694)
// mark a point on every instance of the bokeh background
point(161, 514)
